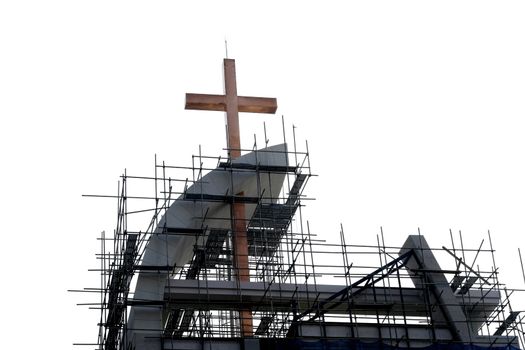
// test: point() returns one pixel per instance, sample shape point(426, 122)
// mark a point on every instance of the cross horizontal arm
point(206, 102)
point(257, 104)
point(218, 103)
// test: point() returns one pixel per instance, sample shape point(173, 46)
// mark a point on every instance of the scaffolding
point(303, 292)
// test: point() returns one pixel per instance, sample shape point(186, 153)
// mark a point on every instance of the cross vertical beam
point(231, 103)
point(240, 239)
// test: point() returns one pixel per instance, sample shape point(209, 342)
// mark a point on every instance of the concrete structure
point(203, 207)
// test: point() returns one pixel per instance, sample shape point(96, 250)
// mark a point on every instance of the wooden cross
point(232, 105)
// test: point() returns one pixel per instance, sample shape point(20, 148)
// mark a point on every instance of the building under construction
point(219, 256)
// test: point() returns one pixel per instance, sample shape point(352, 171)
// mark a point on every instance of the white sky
point(412, 109)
